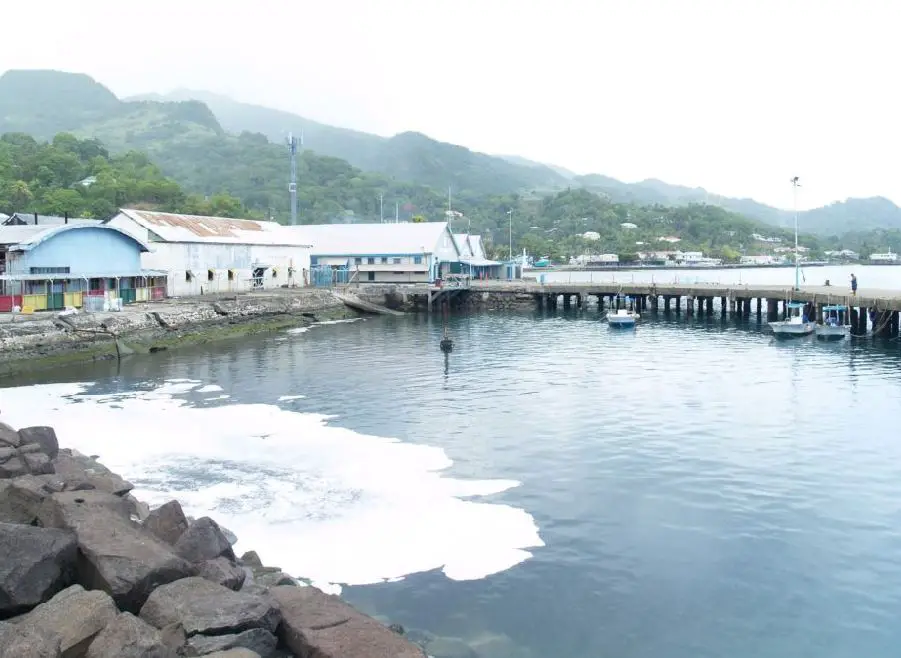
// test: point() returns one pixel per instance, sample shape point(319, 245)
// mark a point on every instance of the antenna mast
point(292, 186)
point(795, 185)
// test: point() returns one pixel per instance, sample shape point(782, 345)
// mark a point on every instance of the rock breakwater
point(87, 570)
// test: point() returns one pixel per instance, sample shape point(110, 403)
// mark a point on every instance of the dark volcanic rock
point(16, 642)
point(43, 436)
point(13, 467)
point(35, 564)
point(129, 637)
point(204, 540)
point(75, 616)
point(38, 463)
point(21, 498)
point(118, 556)
point(167, 522)
point(77, 470)
point(251, 559)
point(203, 607)
point(257, 639)
point(223, 572)
point(321, 625)
point(9, 437)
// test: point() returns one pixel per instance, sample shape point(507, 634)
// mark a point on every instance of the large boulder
point(35, 564)
point(74, 615)
point(12, 466)
point(119, 557)
point(203, 607)
point(16, 642)
point(9, 437)
point(223, 572)
point(167, 522)
point(258, 640)
point(82, 472)
point(21, 498)
point(45, 437)
point(202, 541)
point(324, 626)
point(237, 653)
point(129, 637)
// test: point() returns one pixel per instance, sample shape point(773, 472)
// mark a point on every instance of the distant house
point(591, 235)
point(218, 254)
point(52, 267)
point(628, 225)
point(669, 238)
point(763, 259)
point(888, 257)
point(406, 252)
point(34, 219)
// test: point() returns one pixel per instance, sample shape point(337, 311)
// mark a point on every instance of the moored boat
point(622, 318)
point(797, 324)
point(835, 324)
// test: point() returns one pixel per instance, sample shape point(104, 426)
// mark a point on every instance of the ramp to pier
point(352, 301)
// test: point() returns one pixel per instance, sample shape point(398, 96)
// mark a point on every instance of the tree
point(418, 219)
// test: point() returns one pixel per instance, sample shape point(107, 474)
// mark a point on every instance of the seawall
point(88, 570)
point(32, 342)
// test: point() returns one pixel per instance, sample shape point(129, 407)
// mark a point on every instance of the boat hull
point(788, 329)
point(618, 321)
point(828, 332)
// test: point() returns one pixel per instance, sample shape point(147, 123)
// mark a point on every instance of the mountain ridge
point(186, 116)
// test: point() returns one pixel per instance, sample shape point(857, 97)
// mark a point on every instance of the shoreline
point(43, 341)
point(90, 570)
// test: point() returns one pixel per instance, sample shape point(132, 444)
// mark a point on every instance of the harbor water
point(690, 489)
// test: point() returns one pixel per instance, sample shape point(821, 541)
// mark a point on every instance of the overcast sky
point(735, 96)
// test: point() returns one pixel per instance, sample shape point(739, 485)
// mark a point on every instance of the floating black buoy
point(447, 345)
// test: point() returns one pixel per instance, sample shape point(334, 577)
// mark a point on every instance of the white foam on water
point(285, 398)
point(319, 501)
point(303, 330)
point(209, 388)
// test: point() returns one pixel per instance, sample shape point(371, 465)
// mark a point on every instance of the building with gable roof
point(218, 254)
point(74, 264)
point(404, 252)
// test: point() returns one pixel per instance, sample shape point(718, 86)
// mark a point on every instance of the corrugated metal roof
point(462, 240)
point(23, 238)
point(372, 239)
point(172, 227)
point(478, 249)
point(28, 219)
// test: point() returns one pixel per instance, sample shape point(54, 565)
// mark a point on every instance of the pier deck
point(881, 300)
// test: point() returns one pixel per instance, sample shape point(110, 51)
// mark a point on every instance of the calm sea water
point(690, 489)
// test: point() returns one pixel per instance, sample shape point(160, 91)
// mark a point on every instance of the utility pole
point(795, 185)
point(510, 213)
point(292, 186)
point(381, 209)
point(396, 212)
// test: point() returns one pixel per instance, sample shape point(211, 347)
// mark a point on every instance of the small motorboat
point(622, 318)
point(835, 323)
point(797, 324)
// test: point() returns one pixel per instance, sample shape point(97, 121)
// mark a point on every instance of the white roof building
point(406, 252)
point(217, 254)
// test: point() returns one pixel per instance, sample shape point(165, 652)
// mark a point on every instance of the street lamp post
point(510, 214)
point(795, 185)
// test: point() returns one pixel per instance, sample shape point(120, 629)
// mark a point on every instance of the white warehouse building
point(406, 252)
point(218, 254)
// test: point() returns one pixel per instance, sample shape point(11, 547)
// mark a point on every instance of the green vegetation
point(81, 179)
point(172, 153)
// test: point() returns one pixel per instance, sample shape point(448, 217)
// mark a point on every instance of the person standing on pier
point(853, 284)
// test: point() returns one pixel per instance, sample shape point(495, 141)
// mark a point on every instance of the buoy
point(447, 345)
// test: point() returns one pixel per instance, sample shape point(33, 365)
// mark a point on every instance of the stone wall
point(87, 570)
point(27, 341)
point(481, 300)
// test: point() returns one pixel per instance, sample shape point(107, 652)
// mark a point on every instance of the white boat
point(797, 324)
point(835, 323)
point(622, 318)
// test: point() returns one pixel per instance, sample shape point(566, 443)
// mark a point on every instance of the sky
point(736, 96)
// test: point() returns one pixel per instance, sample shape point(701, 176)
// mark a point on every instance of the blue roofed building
point(75, 264)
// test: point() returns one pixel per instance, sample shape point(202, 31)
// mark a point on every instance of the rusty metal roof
point(173, 227)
